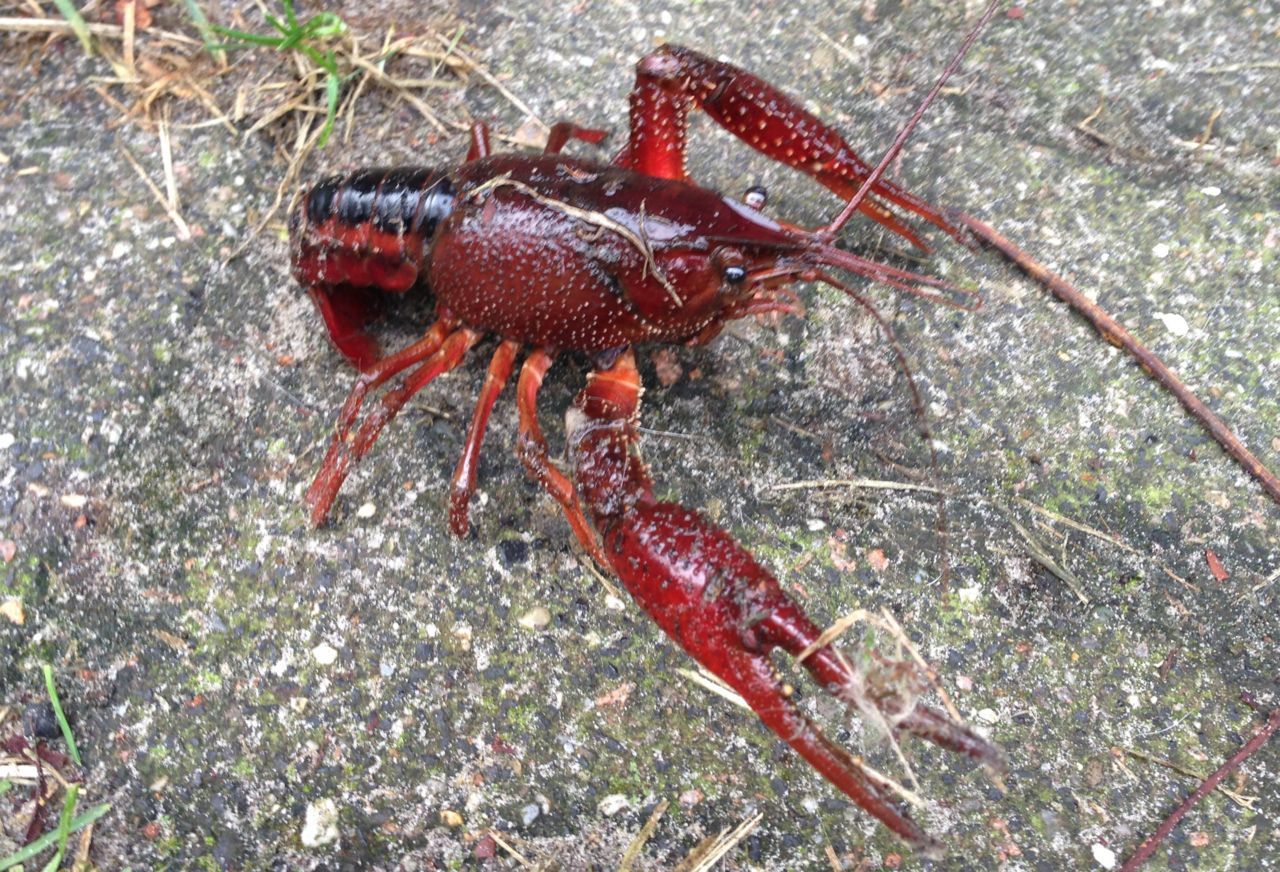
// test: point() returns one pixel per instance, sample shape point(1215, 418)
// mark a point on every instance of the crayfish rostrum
point(557, 254)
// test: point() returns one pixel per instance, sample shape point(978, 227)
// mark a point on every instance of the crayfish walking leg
point(729, 613)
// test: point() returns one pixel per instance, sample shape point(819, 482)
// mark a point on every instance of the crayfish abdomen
point(369, 229)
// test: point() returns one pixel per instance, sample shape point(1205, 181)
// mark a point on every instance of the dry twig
point(1148, 847)
point(496, 835)
point(710, 852)
point(1245, 802)
point(61, 26)
point(643, 836)
point(867, 483)
point(184, 232)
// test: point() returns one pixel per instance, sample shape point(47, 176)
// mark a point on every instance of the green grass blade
point(305, 37)
point(64, 828)
point(279, 25)
point(69, 12)
point(453, 43)
point(205, 30)
point(247, 37)
point(57, 710)
point(293, 39)
point(331, 88)
point(24, 854)
point(324, 25)
point(5, 786)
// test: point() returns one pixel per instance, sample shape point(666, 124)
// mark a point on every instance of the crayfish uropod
point(559, 254)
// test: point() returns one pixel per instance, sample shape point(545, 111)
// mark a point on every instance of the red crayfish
point(560, 254)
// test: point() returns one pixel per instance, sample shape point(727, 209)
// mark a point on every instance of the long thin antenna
point(849, 208)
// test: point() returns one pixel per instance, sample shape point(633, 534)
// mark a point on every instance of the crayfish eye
point(732, 265)
point(756, 197)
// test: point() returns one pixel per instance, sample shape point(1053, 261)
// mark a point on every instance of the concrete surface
point(192, 614)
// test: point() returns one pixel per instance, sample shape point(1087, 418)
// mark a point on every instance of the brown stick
point(1153, 841)
point(1114, 333)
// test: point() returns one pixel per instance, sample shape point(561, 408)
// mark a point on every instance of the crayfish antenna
point(874, 177)
point(914, 283)
point(729, 613)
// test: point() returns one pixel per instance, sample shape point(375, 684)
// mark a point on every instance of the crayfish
point(558, 254)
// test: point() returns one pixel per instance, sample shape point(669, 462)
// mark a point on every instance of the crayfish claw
point(932, 725)
point(885, 690)
point(772, 703)
point(712, 597)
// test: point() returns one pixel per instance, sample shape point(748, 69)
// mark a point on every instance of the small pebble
point(530, 813)
point(366, 511)
point(612, 804)
point(6, 441)
point(1105, 856)
point(74, 501)
point(534, 619)
point(987, 715)
point(1160, 250)
point(40, 722)
point(486, 848)
point(12, 610)
point(450, 818)
point(1175, 324)
point(324, 654)
point(815, 524)
point(321, 825)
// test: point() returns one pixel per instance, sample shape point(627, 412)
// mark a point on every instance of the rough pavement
point(228, 668)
